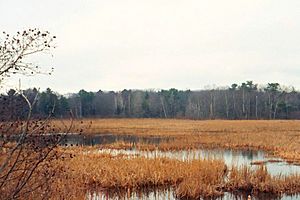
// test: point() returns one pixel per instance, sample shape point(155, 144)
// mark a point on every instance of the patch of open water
point(91, 140)
point(170, 195)
point(275, 166)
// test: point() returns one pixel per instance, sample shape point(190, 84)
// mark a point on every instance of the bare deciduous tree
point(15, 49)
point(26, 148)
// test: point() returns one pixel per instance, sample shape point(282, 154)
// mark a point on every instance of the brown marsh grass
point(84, 172)
point(259, 180)
point(200, 178)
point(278, 137)
point(190, 179)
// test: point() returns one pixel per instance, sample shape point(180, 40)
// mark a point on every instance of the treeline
point(244, 101)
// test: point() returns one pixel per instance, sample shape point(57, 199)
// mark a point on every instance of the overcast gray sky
point(142, 44)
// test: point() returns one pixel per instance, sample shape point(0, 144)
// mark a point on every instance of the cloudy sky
point(144, 44)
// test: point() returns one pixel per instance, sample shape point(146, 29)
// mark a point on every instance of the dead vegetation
point(94, 171)
point(83, 172)
point(278, 137)
point(191, 179)
point(259, 180)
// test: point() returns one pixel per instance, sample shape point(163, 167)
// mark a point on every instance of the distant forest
point(244, 101)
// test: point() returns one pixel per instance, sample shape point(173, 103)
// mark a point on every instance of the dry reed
point(192, 179)
point(259, 180)
point(278, 137)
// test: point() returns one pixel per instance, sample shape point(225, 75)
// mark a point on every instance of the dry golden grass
point(279, 137)
point(189, 179)
point(193, 179)
point(182, 127)
point(259, 180)
point(93, 171)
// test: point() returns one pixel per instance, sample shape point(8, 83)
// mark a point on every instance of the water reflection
point(230, 157)
point(166, 194)
point(170, 195)
point(91, 140)
point(259, 196)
